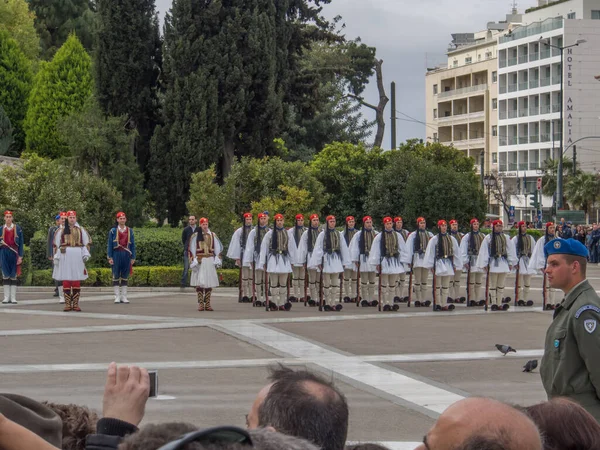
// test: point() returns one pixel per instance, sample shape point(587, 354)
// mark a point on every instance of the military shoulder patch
point(585, 308)
point(590, 325)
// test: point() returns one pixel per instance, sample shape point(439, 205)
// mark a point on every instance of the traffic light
point(534, 200)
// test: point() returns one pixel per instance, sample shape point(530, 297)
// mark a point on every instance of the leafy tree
point(15, 85)
point(16, 18)
point(6, 133)
point(582, 190)
point(550, 175)
point(440, 154)
point(55, 20)
point(127, 66)
point(101, 145)
point(41, 187)
point(345, 170)
point(61, 87)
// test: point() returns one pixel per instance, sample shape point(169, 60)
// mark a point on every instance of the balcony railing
point(533, 84)
point(557, 136)
point(512, 167)
point(513, 87)
point(512, 61)
point(462, 91)
point(512, 113)
point(534, 56)
point(502, 115)
point(533, 111)
point(545, 54)
point(523, 85)
point(556, 107)
point(523, 59)
point(511, 140)
point(523, 112)
point(502, 89)
point(545, 138)
point(532, 29)
point(534, 165)
point(545, 109)
point(545, 81)
point(502, 140)
point(534, 139)
point(502, 63)
point(523, 140)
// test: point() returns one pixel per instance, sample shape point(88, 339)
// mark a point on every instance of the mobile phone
point(153, 383)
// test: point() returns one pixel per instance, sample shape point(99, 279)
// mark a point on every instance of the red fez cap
point(248, 216)
point(349, 218)
point(441, 222)
point(71, 213)
point(397, 219)
point(299, 217)
point(261, 215)
point(387, 219)
point(120, 214)
point(420, 219)
point(330, 217)
point(548, 224)
point(203, 220)
point(63, 214)
point(278, 216)
point(367, 218)
point(453, 222)
point(522, 222)
point(473, 220)
point(314, 216)
point(497, 222)
point(8, 213)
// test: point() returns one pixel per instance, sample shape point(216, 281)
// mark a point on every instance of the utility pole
point(393, 94)
point(574, 160)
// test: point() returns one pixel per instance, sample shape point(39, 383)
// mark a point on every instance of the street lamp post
point(489, 181)
point(559, 175)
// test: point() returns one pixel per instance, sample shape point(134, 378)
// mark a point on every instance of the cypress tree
point(127, 64)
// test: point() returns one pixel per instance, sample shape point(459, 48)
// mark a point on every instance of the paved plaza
point(399, 370)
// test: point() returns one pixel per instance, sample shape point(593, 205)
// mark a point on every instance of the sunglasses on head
point(232, 435)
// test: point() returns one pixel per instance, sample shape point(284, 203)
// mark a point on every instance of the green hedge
point(142, 276)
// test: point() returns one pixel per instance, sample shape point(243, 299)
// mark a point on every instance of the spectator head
point(267, 439)
point(34, 416)
point(366, 446)
point(77, 423)
point(482, 424)
point(302, 404)
point(565, 425)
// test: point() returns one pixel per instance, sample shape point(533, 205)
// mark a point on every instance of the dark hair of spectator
point(303, 404)
point(78, 422)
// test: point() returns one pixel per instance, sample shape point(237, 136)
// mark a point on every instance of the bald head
point(481, 423)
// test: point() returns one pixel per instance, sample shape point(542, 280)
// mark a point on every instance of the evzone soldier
point(277, 252)
point(11, 256)
point(305, 252)
point(205, 248)
point(299, 271)
point(252, 254)
point(360, 249)
point(50, 250)
point(385, 255)
point(121, 256)
point(330, 255)
point(538, 262)
point(350, 273)
point(442, 256)
point(455, 280)
point(399, 296)
point(416, 245)
point(524, 245)
point(469, 251)
point(235, 252)
point(498, 255)
point(72, 245)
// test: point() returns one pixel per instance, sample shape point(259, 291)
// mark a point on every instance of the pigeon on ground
point(530, 366)
point(504, 349)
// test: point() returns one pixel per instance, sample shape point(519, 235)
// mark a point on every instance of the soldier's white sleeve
point(410, 246)
point(292, 248)
point(429, 259)
point(375, 252)
point(402, 248)
point(218, 250)
point(302, 249)
point(192, 245)
point(511, 251)
point(344, 251)
point(484, 253)
point(457, 260)
point(235, 248)
point(57, 238)
point(355, 248)
point(249, 250)
point(538, 260)
point(464, 249)
point(317, 254)
point(85, 240)
point(264, 249)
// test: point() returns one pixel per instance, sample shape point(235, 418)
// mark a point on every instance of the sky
point(409, 35)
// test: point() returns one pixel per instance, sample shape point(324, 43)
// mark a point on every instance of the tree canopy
point(18, 20)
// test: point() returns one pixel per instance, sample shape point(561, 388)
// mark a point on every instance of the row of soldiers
point(326, 267)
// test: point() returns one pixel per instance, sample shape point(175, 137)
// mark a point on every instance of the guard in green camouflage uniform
point(571, 363)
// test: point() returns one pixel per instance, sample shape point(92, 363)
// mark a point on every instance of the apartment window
point(435, 137)
point(494, 130)
point(455, 63)
point(571, 15)
point(494, 103)
point(435, 89)
point(494, 77)
point(468, 60)
point(596, 14)
point(478, 57)
point(435, 113)
point(494, 158)
point(488, 55)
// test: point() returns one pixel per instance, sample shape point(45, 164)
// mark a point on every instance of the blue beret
point(57, 217)
point(566, 247)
